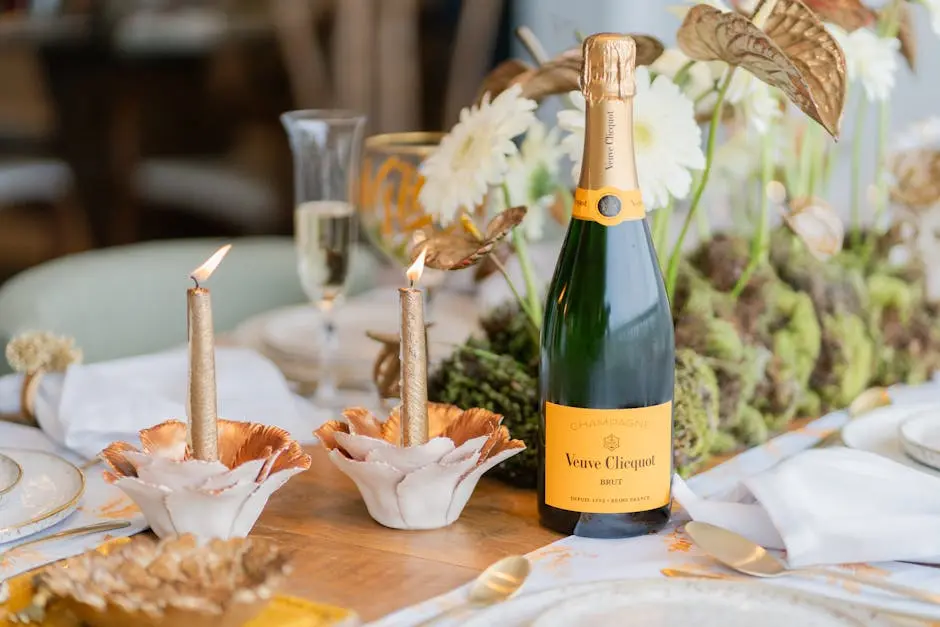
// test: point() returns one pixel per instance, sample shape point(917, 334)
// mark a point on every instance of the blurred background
point(132, 120)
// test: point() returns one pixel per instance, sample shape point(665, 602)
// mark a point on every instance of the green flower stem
point(702, 96)
point(525, 263)
point(806, 163)
point(528, 275)
point(683, 73)
point(661, 219)
point(829, 158)
point(759, 245)
point(881, 198)
point(672, 269)
point(817, 157)
point(704, 228)
point(856, 170)
point(523, 304)
point(472, 229)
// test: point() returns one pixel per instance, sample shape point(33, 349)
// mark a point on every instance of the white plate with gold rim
point(10, 475)
point(670, 602)
point(48, 493)
point(920, 438)
point(877, 432)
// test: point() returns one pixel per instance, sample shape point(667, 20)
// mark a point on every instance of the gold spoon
point(497, 583)
point(740, 554)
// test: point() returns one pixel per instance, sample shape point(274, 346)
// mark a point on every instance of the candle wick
point(411, 284)
point(195, 280)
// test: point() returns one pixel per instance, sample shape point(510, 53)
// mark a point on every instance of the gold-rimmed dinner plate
point(878, 432)
point(10, 475)
point(668, 602)
point(920, 438)
point(48, 493)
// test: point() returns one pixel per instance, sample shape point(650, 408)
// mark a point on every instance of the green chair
point(131, 300)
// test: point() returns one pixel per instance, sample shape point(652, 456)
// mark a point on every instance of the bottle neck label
point(608, 205)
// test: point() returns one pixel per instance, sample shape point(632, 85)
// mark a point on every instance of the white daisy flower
point(698, 79)
point(572, 121)
point(474, 155)
point(869, 59)
point(531, 177)
point(667, 140)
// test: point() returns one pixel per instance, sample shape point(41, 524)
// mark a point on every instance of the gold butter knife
point(69, 533)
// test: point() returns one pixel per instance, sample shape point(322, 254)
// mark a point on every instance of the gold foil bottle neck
point(608, 68)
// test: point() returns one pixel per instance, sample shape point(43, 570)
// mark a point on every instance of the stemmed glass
point(327, 149)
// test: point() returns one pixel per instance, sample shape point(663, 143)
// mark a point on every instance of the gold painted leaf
point(847, 14)
point(456, 250)
point(500, 226)
point(907, 35)
point(794, 53)
point(818, 58)
point(502, 77)
point(560, 75)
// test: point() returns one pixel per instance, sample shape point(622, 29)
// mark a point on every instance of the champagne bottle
point(607, 349)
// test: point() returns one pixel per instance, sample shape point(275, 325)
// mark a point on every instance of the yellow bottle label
point(608, 205)
point(608, 461)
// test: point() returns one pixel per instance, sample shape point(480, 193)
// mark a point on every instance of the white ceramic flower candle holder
point(221, 499)
point(424, 486)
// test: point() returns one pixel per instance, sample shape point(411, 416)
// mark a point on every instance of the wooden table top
point(345, 558)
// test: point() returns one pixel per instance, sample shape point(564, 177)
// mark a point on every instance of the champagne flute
point(327, 148)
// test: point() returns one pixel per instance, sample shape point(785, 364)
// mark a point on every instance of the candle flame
point(417, 268)
point(203, 272)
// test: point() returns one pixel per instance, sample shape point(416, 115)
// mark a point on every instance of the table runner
point(580, 560)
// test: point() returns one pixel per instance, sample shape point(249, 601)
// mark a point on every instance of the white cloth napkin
point(831, 506)
point(90, 406)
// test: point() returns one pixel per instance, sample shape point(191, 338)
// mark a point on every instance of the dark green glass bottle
point(607, 350)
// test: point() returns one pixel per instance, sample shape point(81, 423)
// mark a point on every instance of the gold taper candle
point(201, 406)
point(414, 360)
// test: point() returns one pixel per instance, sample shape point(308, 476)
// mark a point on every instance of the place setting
point(615, 347)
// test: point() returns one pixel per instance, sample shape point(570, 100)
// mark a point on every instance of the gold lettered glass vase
point(390, 213)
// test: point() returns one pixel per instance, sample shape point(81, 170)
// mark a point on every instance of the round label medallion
point(608, 206)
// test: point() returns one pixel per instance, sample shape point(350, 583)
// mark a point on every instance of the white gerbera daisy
point(474, 155)
point(572, 121)
point(530, 179)
point(869, 59)
point(698, 79)
point(667, 140)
